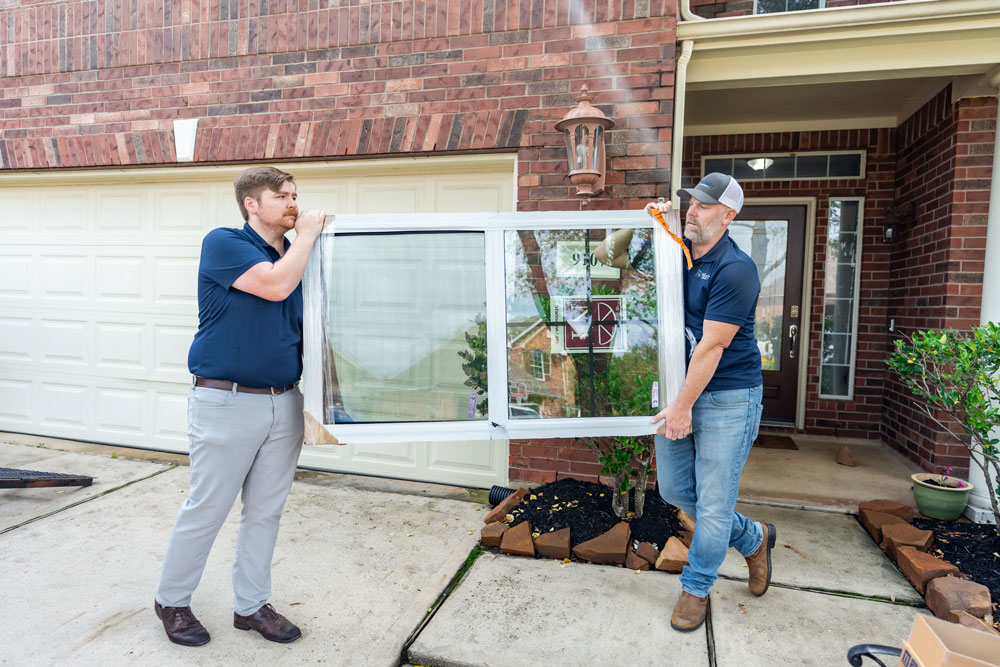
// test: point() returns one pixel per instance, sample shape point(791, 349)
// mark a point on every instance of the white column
point(979, 509)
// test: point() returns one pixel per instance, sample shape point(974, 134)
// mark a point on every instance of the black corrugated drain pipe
point(498, 493)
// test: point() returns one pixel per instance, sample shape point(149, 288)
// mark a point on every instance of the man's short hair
point(253, 181)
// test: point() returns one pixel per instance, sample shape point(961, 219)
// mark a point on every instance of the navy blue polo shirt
point(241, 337)
point(723, 286)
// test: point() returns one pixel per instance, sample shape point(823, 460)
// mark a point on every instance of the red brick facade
point(82, 88)
point(944, 168)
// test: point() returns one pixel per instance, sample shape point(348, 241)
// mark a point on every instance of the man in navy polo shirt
point(708, 430)
point(245, 419)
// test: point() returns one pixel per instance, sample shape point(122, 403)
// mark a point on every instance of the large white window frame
point(498, 424)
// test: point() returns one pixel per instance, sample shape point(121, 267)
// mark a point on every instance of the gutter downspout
point(677, 141)
point(687, 14)
point(979, 508)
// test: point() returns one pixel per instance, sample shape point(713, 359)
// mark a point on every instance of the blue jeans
point(700, 474)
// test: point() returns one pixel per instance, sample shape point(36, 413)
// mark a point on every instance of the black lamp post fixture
point(584, 127)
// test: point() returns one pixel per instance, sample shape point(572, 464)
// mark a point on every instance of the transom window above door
point(811, 166)
point(776, 6)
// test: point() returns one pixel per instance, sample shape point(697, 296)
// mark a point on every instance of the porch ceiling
point(851, 67)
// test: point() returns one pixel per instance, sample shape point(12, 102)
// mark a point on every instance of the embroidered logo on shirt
point(701, 274)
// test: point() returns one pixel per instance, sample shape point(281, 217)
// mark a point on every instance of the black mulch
point(974, 548)
point(586, 508)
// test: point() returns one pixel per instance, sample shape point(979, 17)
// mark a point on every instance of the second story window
point(775, 6)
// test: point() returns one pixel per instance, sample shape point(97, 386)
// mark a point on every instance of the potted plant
point(940, 496)
point(955, 376)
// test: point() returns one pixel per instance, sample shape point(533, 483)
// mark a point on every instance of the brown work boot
point(759, 562)
point(181, 625)
point(689, 612)
point(270, 624)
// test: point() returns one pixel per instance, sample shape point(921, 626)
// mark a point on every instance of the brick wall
point(711, 9)
point(98, 84)
point(942, 190)
point(861, 416)
point(283, 79)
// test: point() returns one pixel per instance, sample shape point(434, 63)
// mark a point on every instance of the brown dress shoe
point(270, 624)
point(181, 625)
point(689, 612)
point(759, 562)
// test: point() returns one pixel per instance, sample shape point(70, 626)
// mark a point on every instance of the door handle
point(793, 333)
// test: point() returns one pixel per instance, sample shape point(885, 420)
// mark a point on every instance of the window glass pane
point(799, 5)
point(845, 165)
point(742, 169)
point(841, 271)
point(406, 327)
point(781, 167)
point(582, 141)
point(770, 6)
point(720, 165)
point(590, 326)
point(766, 241)
point(835, 381)
point(810, 166)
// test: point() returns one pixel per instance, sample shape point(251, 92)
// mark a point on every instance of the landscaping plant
point(955, 374)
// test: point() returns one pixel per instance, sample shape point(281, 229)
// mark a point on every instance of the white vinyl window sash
point(498, 424)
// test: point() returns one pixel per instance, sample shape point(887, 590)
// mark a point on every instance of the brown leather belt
point(228, 386)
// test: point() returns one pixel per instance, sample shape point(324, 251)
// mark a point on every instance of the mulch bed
point(974, 548)
point(586, 508)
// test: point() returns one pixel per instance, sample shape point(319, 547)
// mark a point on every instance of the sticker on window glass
point(472, 405)
point(655, 395)
point(581, 332)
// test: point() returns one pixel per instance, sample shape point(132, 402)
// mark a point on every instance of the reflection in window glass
point(848, 164)
point(772, 6)
point(581, 322)
point(839, 285)
point(766, 241)
point(406, 326)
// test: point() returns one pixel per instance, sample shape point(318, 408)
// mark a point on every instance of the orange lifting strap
point(656, 213)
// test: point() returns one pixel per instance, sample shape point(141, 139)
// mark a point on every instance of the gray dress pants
point(239, 442)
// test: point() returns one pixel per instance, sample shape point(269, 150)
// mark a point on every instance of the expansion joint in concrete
point(86, 500)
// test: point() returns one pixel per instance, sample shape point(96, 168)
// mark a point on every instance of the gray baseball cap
point(716, 188)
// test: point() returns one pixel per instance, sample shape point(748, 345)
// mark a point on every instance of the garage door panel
point(65, 277)
point(15, 276)
point(64, 341)
point(120, 411)
point(98, 291)
point(120, 346)
point(121, 211)
point(64, 405)
point(175, 281)
point(185, 209)
point(16, 336)
point(120, 279)
point(66, 211)
point(16, 403)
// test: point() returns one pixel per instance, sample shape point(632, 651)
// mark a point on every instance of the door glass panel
point(766, 241)
point(581, 322)
point(406, 327)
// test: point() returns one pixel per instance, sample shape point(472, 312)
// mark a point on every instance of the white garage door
point(98, 296)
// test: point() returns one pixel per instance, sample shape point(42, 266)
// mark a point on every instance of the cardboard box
point(937, 643)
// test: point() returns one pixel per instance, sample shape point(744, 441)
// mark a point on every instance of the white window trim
point(739, 156)
point(857, 302)
point(822, 5)
point(498, 424)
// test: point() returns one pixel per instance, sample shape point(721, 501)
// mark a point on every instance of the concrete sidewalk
point(360, 562)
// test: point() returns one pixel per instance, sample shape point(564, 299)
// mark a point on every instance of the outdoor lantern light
point(585, 126)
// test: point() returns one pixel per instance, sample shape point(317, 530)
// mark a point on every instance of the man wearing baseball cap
point(706, 433)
